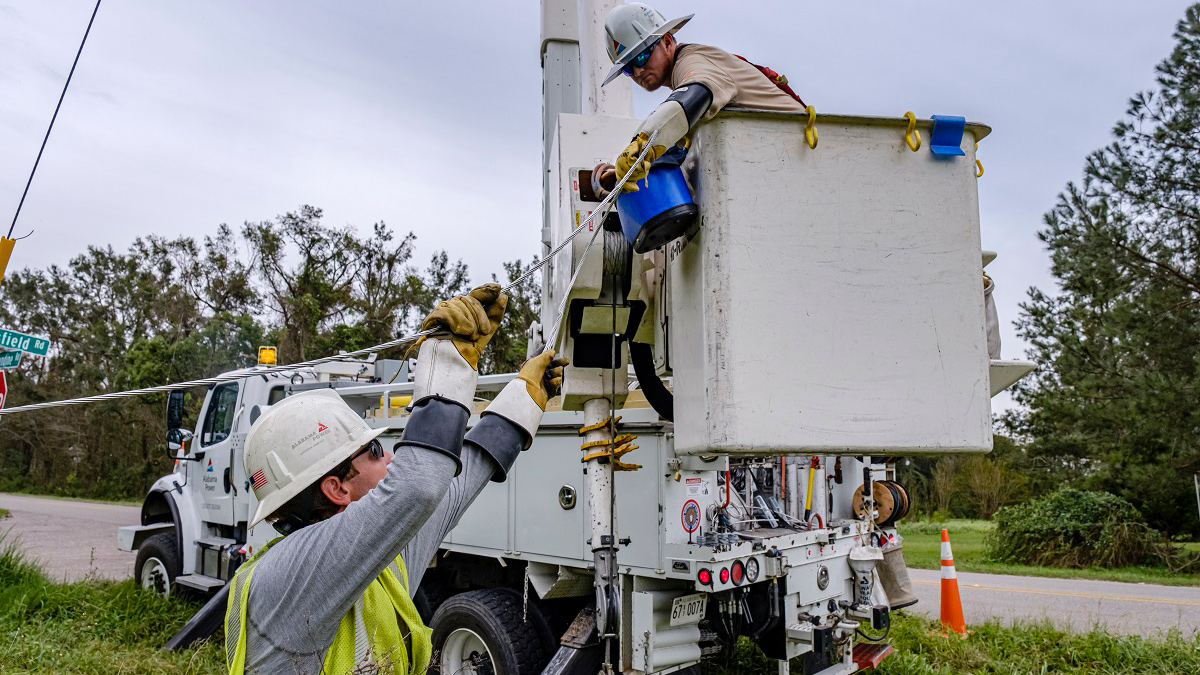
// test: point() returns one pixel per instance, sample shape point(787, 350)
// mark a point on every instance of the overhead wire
point(52, 118)
point(407, 339)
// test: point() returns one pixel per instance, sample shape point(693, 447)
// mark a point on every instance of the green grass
point(102, 627)
point(5, 513)
point(923, 550)
point(1016, 649)
point(92, 627)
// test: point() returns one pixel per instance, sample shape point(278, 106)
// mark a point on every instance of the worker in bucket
point(703, 80)
point(361, 520)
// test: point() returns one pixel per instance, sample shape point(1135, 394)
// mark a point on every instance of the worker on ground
point(703, 80)
point(363, 521)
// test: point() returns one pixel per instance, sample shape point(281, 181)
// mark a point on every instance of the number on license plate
point(688, 609)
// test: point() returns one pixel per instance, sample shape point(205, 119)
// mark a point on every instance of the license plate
point(688, 609)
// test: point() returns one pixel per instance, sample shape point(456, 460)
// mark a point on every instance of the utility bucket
point(660, 211)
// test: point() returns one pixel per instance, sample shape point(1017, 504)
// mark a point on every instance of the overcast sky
point(184, 114)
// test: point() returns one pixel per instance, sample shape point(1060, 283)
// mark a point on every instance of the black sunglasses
point(641, 59)
point(341, 471)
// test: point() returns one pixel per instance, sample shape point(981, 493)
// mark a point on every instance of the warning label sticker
point(697, 487)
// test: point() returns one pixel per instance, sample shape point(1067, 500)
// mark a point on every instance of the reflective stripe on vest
point(382, 631)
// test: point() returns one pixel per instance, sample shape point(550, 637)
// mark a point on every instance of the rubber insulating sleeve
point(500, 439)
point(437, 424)
point(695, 99)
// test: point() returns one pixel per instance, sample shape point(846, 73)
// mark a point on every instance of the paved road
point(70, 539)
point(1079, 604)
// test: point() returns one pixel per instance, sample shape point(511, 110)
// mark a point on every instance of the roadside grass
point(923, 550)
point(5, 513)
point(997, 649)
point(91, 627)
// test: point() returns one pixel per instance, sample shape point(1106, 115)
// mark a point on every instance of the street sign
point(10, 359)
point(11, 339)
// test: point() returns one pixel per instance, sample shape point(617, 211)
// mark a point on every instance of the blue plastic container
point(659, 212)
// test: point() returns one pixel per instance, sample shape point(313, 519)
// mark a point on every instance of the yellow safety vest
point(377, 632)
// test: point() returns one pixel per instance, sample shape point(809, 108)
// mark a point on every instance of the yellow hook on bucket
point(911, 132)
point(810, 131)
point(978, 164)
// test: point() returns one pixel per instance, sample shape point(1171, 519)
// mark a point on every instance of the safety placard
point(697, 487)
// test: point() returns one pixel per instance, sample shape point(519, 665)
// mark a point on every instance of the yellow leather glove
point(469, 321)
point(543, 376)
point(630, 155)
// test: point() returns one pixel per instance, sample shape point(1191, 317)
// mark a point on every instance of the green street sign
point(11, 339)
point(10, 359)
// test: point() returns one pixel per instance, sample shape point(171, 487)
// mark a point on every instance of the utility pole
point(1196, 480)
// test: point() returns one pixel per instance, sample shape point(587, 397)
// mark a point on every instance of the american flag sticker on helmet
point(258, 480)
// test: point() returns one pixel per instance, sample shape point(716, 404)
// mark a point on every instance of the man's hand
point(469, 321)
point(630, 155)
point(543, 376)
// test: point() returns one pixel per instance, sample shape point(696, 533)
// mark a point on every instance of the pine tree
point(1118, 393)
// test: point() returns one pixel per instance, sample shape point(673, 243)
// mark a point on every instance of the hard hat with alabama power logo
point(631, 28)
point(296, 442)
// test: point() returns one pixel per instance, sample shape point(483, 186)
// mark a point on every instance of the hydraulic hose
point(657, 394)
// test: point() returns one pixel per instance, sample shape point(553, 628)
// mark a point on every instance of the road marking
point(1099, 596)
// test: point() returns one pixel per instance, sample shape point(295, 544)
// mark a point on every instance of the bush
point(1076, 528)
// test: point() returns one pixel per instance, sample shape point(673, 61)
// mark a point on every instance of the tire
point(483, 633)
point(157, 564)
point(429, 596)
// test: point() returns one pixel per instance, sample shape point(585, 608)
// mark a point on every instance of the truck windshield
point(218, 421)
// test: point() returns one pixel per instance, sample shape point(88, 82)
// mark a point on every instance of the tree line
point(171, 310)
point(1115, 403)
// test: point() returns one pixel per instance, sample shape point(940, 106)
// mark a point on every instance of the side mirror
point(175, 409)
point(178, 441)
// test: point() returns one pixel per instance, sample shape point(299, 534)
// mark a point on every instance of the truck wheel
point(157, 564)
point(483, 633)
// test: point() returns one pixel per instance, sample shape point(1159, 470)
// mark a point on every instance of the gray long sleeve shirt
point(306, 583)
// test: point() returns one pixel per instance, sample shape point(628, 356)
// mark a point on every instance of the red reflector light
point(738, 573)
point(704, 577)
point(724, 575)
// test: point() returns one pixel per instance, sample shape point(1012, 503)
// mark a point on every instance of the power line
point(52, 118)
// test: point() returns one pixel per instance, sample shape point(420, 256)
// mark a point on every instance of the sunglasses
point(342, 471)
point(641, 59)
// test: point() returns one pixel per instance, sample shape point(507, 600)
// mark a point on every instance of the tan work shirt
point(731, 80)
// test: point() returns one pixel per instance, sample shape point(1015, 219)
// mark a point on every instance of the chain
point(525, 605)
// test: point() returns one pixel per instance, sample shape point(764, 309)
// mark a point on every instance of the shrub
point(1076, 528)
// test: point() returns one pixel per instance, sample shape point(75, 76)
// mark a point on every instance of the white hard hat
point(296, 442)
point(630, 28)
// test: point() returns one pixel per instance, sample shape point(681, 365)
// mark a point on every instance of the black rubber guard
point(437, 424)
point(501, 440)
point(695, 99)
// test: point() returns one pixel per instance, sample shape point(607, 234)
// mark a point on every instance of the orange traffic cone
point(952, 613)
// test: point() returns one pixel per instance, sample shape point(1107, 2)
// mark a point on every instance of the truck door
point(216, 440)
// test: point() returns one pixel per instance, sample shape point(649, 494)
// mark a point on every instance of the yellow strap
point(810, 131)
